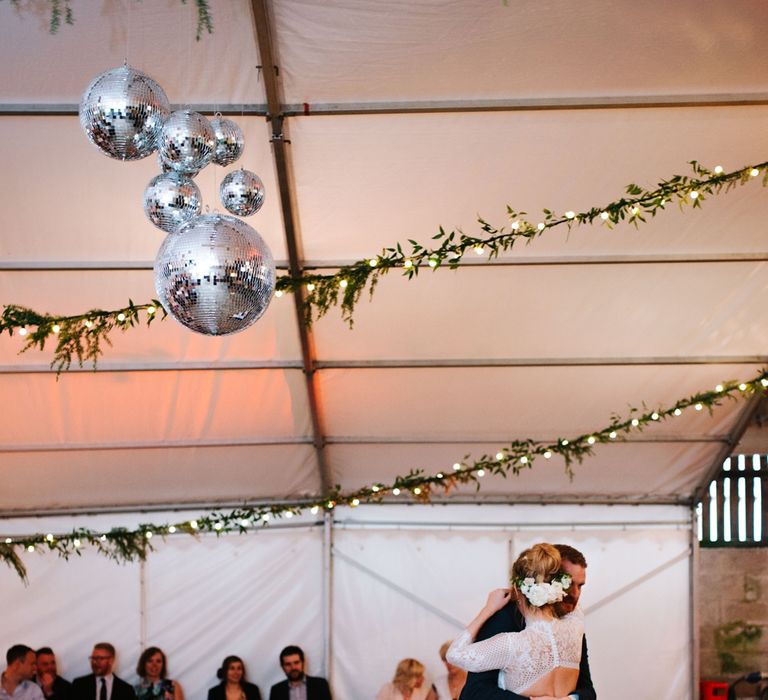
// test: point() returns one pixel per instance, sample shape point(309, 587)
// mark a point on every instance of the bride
point(541, 661)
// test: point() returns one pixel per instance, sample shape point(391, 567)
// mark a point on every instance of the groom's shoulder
point(508, 619)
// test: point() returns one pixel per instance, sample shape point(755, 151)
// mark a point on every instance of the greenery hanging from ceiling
point(81, 337)
point(61, 11)
point(126, 545)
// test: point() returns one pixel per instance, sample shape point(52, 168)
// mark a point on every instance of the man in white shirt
point(16, 681)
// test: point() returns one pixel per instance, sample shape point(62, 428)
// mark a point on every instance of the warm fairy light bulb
point(764, 382)
point(718, 169)
point(499, 456)
point(289, 514)
point(31, 548)
point(456, 467)
point(77, 543)
point(479, 250)
point(754, 172)
point(121, 317)
point(395, 491)
point(742, 387)
point(569, 214)
point(591, 439)
point(432, 262)
point(373, 262)
point(439, 475)
point(515, 225)
point(265, 516)
point(654, 416)
point(698, 406)
point(635, 211)
point(612, 435)
point(151, 310)
point(635, 422)
point(49, 537)
point(218, 526)
point(56, 328)
point(408, 263)
point(356, 502)
point(8, 540)
point(103, 538)
point(564, 443)
point(719, 388)
point(375, 488)
point(416, 491)
point(148, 534)
point(22, 331)
point(193, 524)
point(523, 460)
point(481, 472)
point(604, 215)
point(541, 226)
point(279, 293)
point(314, 510)
point(547, 454)
point(343, 284)
point(172, 529)
point(693, 194)
point(677, 412)
point(330, 505)
point(245, 522)
point(310, 287)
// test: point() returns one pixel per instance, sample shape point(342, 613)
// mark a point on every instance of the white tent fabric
point(402, 580)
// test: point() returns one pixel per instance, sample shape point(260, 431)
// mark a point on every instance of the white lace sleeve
point(488, 655)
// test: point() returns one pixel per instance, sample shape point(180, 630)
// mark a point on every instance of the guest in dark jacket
point(102, 684)
point(292, 662)
point(54, 687)
point(233, 685)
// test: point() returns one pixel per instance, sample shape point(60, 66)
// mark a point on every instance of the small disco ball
point(230, 141)
point(215, 275)
point(187, 142)
point(171, 200)
point(122, 112)
point(166, 167)
point(242, 192)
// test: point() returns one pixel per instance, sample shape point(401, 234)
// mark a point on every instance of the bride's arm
point(497, 599)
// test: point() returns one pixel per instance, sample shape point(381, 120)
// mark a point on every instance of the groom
point(484, 686)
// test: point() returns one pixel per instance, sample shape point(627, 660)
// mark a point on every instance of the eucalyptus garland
point(61, 10)
point(81, 336)
point(125, 545)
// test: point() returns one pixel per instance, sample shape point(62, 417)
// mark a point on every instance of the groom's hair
point(572, 554)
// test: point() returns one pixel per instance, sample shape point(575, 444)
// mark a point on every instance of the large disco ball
point(230, 141)
point(187, 142)
point(122, 112)
point(242, 192)
point(171, 200)
point(215, 275)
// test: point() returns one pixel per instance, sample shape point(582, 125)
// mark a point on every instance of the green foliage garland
point(78, 340)
point(125, 545)
point(63, 9)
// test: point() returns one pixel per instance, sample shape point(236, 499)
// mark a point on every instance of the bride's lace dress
point(523, 657)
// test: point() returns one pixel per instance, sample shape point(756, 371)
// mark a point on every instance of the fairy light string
point(125, 544)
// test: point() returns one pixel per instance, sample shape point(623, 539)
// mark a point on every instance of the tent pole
point(695, 618)
point(327, 594)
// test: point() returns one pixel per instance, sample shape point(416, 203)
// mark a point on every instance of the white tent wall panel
point(403, 580)
point(98, 214)
point(585, 311)
point(635, 471)
point(425, 170)
point(134, 476)
point(156, 37)
point(439, 50)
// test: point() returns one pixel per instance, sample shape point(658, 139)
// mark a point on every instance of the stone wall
point(733, 608)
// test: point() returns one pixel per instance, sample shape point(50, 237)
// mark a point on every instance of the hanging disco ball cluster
point(213, 272)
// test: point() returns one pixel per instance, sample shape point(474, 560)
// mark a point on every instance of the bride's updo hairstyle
point(541, 563)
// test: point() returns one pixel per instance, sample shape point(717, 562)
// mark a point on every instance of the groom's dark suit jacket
point(485, 685)
point(84, 688)
point(317, 689)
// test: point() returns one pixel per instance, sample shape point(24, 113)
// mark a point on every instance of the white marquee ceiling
point(401, 117)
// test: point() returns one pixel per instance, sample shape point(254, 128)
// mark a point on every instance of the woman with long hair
point(154, 684)
point(408, 683)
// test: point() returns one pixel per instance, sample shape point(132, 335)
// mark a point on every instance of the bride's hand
point(497, 599)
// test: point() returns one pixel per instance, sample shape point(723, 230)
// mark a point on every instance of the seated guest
point(153, 684)
point(54, 687)
point(449, 686)
point(102, 684)
point(296, 683)
point(408, 683)
point(16, 681)
point(233, 685)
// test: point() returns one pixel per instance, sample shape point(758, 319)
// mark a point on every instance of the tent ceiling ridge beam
point(286, 185)
point(90, 265)
point(188, 366)
point(497, 439)
point(733, 99)
point(154, 445)
point(507, 525)
point(458, 363)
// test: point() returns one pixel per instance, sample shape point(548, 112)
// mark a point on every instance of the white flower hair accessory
point(539, 594)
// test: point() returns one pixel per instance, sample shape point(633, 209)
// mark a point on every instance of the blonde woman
point(408, 683)
point(542, 661)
